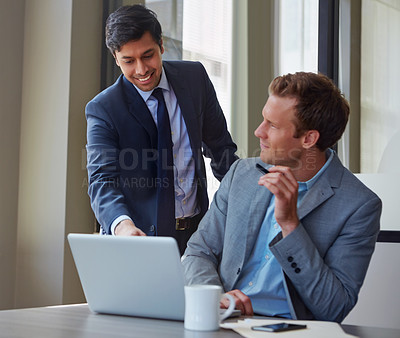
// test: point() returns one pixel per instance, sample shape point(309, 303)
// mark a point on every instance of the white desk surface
point(69, 321)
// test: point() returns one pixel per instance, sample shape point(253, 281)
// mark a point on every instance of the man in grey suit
point(294, 242)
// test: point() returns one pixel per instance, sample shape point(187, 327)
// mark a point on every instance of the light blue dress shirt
point(262, 276)
point(184, 166)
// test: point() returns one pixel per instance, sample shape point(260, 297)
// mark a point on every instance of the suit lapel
point(322, 189)
point(258, 204)
point(138, 108)
point(177, 80)
point(249, 228)
point(258, 208)
point(315, 197)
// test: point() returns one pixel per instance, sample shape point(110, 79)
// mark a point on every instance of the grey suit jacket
point(324, 261)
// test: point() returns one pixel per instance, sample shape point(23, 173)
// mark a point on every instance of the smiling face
point(276, 133)
point(140, 62)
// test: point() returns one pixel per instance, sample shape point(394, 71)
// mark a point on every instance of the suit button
point(152, 228)
point(297, 270)
point(293, 265)
point(290, 259)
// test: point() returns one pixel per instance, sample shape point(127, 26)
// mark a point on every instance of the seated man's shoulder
point(249, 163)
point(246, 167)
point(351, 180)
point(355, 190)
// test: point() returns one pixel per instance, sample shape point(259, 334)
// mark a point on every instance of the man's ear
point(114, 54)
point(310, 138)
point(162, 46)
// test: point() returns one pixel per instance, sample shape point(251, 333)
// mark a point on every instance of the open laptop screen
point(137, 276)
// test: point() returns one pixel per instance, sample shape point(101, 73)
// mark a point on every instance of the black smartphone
point(279, 327)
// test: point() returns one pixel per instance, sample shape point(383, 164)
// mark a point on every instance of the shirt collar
point(163, 85)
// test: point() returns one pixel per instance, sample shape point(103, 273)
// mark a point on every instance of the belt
point(186, 223)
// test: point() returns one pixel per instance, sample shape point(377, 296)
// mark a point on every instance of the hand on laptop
point(243, 303)
point(128, 228)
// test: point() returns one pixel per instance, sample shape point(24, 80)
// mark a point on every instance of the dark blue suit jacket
point(122, 141)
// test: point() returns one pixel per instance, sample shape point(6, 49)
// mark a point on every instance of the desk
point(69, 321)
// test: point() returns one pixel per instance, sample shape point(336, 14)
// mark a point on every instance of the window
point(200, 31)
point(169, 14)
point(207, 37)
point(380, 73)
point(297, 36)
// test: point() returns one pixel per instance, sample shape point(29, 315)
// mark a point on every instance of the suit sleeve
point(107, 200)
point(329, 285)
point(204, 250)
point(217, 141)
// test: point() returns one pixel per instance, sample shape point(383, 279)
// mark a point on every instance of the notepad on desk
point(314, 328)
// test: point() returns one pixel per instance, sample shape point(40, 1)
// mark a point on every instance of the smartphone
point(279, 327)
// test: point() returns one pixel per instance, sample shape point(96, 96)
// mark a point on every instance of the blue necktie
point(165, 173)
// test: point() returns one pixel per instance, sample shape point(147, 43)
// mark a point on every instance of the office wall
point(252, 59)
point(42, 174)
point(12, 28)
point(86, 40)
point(60, 74)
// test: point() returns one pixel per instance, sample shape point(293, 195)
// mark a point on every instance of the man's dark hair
point(320, 105)
point(129, 23)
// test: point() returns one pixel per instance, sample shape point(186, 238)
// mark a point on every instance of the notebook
point(134, 276)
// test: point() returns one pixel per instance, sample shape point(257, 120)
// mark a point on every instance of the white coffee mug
point(202, 310)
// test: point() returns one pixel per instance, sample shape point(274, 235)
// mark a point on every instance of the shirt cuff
point(117, 221)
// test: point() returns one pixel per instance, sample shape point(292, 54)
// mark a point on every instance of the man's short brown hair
point(320, 105)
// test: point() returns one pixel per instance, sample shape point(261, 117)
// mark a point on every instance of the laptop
point(134, 276)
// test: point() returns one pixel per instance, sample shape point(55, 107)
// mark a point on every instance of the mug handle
point(231, 307)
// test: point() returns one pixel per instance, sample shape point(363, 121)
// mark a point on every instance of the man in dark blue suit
point(146, 175)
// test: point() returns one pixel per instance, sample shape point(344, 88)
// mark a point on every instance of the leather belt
point(185, 223)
